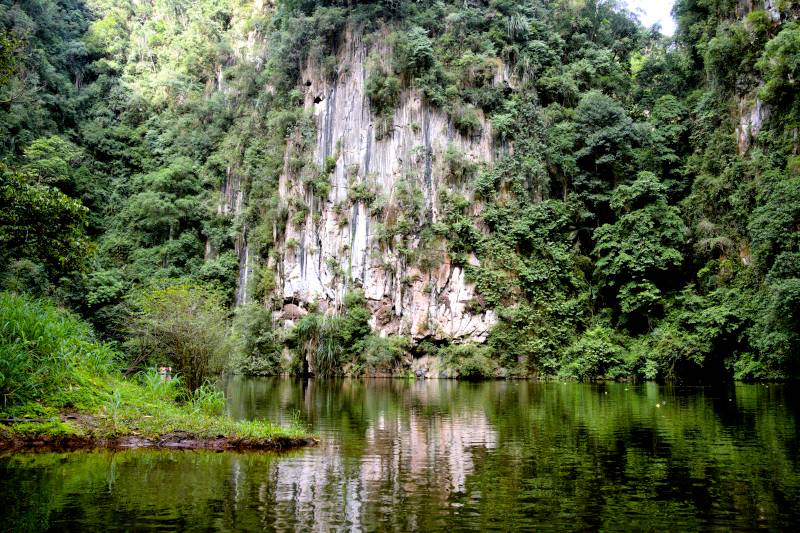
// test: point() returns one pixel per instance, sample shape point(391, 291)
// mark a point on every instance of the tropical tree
point(637, 253)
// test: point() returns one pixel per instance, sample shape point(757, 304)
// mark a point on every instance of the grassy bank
point(59, 385)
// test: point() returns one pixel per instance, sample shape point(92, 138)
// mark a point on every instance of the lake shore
point(75, 431)
point(62, 388)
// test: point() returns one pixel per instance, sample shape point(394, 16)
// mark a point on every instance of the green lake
point(398, 455)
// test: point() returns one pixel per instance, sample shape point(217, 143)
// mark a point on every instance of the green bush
point(259, 346)
point(780, 65)
point(413, 51)
point(221, 270)
point(595, 354)
point(329, 342)
point(23, 275)
point(458, 167)
point(725, 54)
point(41, 224)
point(470, 361)
point(315, 339)
point(383, 354)
point(637, 254)
point(183, 325)
point(383, 91)
point(467, 121)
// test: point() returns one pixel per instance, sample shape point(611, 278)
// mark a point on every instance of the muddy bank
point(85, 436)
point(175, 440)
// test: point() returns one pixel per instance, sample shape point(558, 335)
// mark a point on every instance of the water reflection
point(435, 455)
point(384, 443)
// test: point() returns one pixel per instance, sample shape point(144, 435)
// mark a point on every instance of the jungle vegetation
point(633, 230)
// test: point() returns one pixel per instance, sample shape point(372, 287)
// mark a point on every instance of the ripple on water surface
point(436, 455)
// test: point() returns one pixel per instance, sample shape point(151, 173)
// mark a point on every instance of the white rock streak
point(333, 252)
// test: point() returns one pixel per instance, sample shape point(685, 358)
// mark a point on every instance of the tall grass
point(47, 352)
point(208, 399)
point(158, 388)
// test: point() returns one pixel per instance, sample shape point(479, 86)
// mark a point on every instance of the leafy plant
point(181, 324)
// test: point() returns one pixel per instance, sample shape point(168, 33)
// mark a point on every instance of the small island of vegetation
point(61, 388)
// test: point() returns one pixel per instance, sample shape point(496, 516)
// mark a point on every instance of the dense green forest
point(641, 218)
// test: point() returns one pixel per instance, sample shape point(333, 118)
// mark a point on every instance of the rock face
point(752, 115)
point(743, 7)
point(233, 199)
point(232, 203)
point(339, 244)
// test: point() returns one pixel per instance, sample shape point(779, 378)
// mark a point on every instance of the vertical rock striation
point(337, 246)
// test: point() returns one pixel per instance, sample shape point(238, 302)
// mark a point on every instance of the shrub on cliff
point(384, 354)
point(383, 91)
point(330, 342)
point(595, 354)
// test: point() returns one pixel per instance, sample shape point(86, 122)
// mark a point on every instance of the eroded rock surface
point(338, 246)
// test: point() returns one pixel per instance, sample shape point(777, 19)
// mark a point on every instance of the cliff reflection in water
point(401, 455)
point(399, 439)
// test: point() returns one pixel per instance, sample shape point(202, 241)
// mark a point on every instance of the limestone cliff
point(341, 241)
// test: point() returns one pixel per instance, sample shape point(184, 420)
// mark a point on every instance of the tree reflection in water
point(433, 455)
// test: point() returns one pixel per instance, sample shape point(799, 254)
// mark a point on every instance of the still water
point(400, 455)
